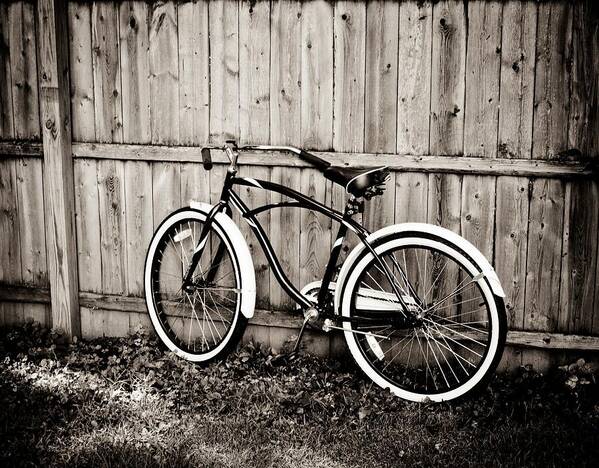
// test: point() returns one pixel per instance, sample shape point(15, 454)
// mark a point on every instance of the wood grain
point(482, 78)
point(317, 75)
point(285, 72)
point(164, 74)
point(135, 71)
point(106, 72)
point(447, 82)
point(254, 71)
point(414, 77)
point(518, 38)
point(349, 76)
point(194, 69)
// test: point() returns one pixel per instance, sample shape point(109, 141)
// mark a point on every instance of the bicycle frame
point(230, 197)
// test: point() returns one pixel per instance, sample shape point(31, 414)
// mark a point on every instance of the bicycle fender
point(242, 253)
point(379, 236)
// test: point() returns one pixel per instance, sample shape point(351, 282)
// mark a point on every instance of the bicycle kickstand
point(310, 314)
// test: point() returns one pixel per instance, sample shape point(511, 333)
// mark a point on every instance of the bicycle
point(421, 309)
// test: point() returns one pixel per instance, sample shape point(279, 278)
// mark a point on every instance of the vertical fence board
point(482, 78)
point(82, 75)
point(23, 70)
point(552, 80)
point(584, 94)
point(411, 197)
point(317, 75)
point(10, 257)
point(195, 183)
point(511, 220)
point(285, 72)
point(135, 71)
point(254, 197)
point(166, 190)
point(382, 23)
point(111, 204)
point(285, 238)
point(518, 36)
point(6, 112)
point(107, 73)
point(579, 258)
point(447, 82)
point(164, 74)
point(139, 223)
point(194, 64)
point(87, 218)
point(414, 77)
point(254, 72)
point(224, 70)
point(349, 74)
point(544, 255)
point(478, 212)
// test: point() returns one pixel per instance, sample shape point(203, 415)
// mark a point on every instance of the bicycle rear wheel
point(203, 322)
point(458, 326)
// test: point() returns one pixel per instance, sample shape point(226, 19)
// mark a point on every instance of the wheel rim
point(198, 321)
point(450, 349)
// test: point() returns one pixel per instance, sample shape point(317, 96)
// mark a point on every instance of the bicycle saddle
point(359, 182)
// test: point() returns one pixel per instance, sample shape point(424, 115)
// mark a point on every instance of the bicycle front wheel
point(203, 322)
point(450, 339)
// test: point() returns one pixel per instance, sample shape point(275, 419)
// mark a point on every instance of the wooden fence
point(487, 111)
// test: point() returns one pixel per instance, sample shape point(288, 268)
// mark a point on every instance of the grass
point(126, 402)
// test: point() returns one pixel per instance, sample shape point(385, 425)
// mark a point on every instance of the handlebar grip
point(206, 158)
point(314, 160)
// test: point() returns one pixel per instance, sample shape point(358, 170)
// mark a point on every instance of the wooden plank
point(107, 73)
point(404, 163)
point(23, 67)
point(58, 165)
point(88, 225)
point(447, 82)
point(518, 36)
point(315, 228)
point(135, 71)
point(552, 80)
point(111, 204)
point(194, 64)
point(224, 70)
point(26, 149)
point(482, 78)
point(411, 198)
point(382, 24)
point(139, 222)
point(584, 90)
point(317, 75)
point(579, 258)
point(414, 77)
point(166, 190)
point(6, 111)
point(31, 222)
point(254, 71)
point(544, 255)
point(511, 229)
point(285, 238)
point(10, 255)
point(253, 198)
point(81, 69)
point(380, 211)
point(195, 184)
point(349, 75)
point(478, 212)
point(285, 72)
point(164, 74)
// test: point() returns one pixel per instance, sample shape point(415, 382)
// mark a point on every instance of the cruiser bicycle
point(420, 308)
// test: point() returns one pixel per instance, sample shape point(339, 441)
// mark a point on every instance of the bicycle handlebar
point(231, 147)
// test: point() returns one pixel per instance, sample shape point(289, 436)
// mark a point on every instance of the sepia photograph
point(299, 233)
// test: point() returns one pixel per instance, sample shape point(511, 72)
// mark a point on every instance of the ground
point(126, 402)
